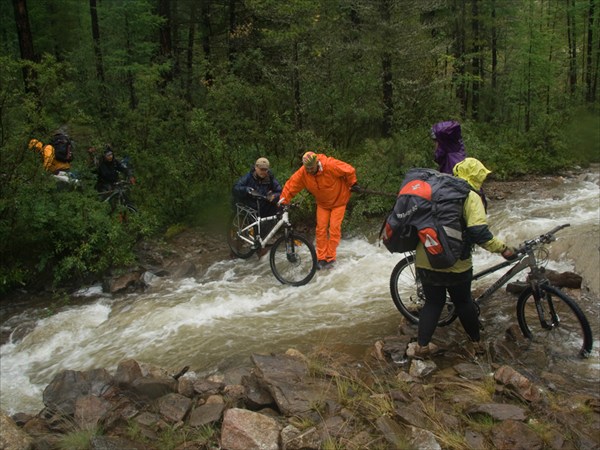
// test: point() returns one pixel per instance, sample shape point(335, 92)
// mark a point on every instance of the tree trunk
point(387, 78)
point(494, 50)
point(476, 61)
point(589, 91)
point(25, 41)
point(572, 47)
point(458, 52)
point(206, 33)
point(166, 44)
point(231, 49)
point(96, 39)
point(296, 83)
point(130, 82)
point(190, 53)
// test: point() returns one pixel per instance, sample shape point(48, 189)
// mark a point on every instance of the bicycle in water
point(292, 257)
point(543, 312)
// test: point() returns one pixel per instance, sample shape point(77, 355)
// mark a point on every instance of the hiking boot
point(414, 350)
point(329, 264)
point(321, 264)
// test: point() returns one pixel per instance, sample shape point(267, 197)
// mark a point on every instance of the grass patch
point(79, 439)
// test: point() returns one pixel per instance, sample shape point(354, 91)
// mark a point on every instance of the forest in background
point(193, 91)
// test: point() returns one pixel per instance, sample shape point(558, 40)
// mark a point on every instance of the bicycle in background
point(292, 258)
point(544, 312)
point(118, 197)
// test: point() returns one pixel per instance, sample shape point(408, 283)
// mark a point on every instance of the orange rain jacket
point(330, 185)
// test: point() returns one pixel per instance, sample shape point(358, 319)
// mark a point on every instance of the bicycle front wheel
point(239, 247)
point(556, 320)
point(293, 259)
point(407, 293)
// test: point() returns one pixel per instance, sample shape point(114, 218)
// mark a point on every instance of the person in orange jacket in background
point(51, 163)
point(330, 181)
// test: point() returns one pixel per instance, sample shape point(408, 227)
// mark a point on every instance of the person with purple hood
point(450, 148)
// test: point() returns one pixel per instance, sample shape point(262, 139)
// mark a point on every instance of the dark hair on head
point(108, 149)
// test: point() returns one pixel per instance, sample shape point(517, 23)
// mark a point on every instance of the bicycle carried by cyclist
point(543, 312)
point(292, 257)
point(118, 196)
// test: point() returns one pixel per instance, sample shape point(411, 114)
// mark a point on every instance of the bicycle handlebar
point(259, 196)
point(545, 238)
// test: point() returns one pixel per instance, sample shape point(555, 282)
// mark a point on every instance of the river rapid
point(237, 307)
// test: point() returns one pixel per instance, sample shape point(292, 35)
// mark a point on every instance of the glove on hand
point(355, 188)
point(510, 253)
point(250, 191)
point(281, 201)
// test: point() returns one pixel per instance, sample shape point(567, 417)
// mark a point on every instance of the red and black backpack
point(429, 209)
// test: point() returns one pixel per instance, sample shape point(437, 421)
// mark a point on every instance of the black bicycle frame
point(520, 266)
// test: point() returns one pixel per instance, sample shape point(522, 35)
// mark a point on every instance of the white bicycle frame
point(243, 233)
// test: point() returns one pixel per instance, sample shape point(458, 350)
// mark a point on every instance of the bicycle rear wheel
point(407, 293)
point(293, 259)
point(560, 323)
point(237, 245)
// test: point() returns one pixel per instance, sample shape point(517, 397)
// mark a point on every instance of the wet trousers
point(435, 298)
point(329, 231)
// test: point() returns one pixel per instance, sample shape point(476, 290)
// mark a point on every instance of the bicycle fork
point(544, 306)
point(290, 247)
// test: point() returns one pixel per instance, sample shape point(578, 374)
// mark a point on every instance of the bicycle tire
point(570, 331)
point(407, 293)
point(293, 259)
point(239, 247)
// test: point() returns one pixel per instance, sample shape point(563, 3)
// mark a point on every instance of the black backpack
point(63, 148)
point(429, 209)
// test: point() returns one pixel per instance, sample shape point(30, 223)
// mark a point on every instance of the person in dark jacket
point(109, 171)
point(261, 180)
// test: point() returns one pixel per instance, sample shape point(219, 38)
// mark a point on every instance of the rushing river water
point(238, 308)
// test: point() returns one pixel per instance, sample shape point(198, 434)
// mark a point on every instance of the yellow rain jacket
point(477, 232)
point(51, 164)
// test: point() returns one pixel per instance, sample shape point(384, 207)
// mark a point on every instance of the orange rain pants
point(329, 231)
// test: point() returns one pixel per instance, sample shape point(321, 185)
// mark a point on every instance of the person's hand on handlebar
point(250, 191)
point(271, 196)
point(510, 253)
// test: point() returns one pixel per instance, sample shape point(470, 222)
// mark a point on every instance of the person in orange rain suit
point(330, 181)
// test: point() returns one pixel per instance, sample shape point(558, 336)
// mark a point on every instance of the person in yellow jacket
point(330, 181)
point(456, 280)
point(51, 163)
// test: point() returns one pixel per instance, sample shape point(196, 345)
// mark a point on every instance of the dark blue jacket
point(264, 186)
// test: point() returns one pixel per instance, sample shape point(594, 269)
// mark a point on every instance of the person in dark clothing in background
point(109, 170)
point(261, 180)
point(449, 145)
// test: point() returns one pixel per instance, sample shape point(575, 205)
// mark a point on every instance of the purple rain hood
point(450, 146)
